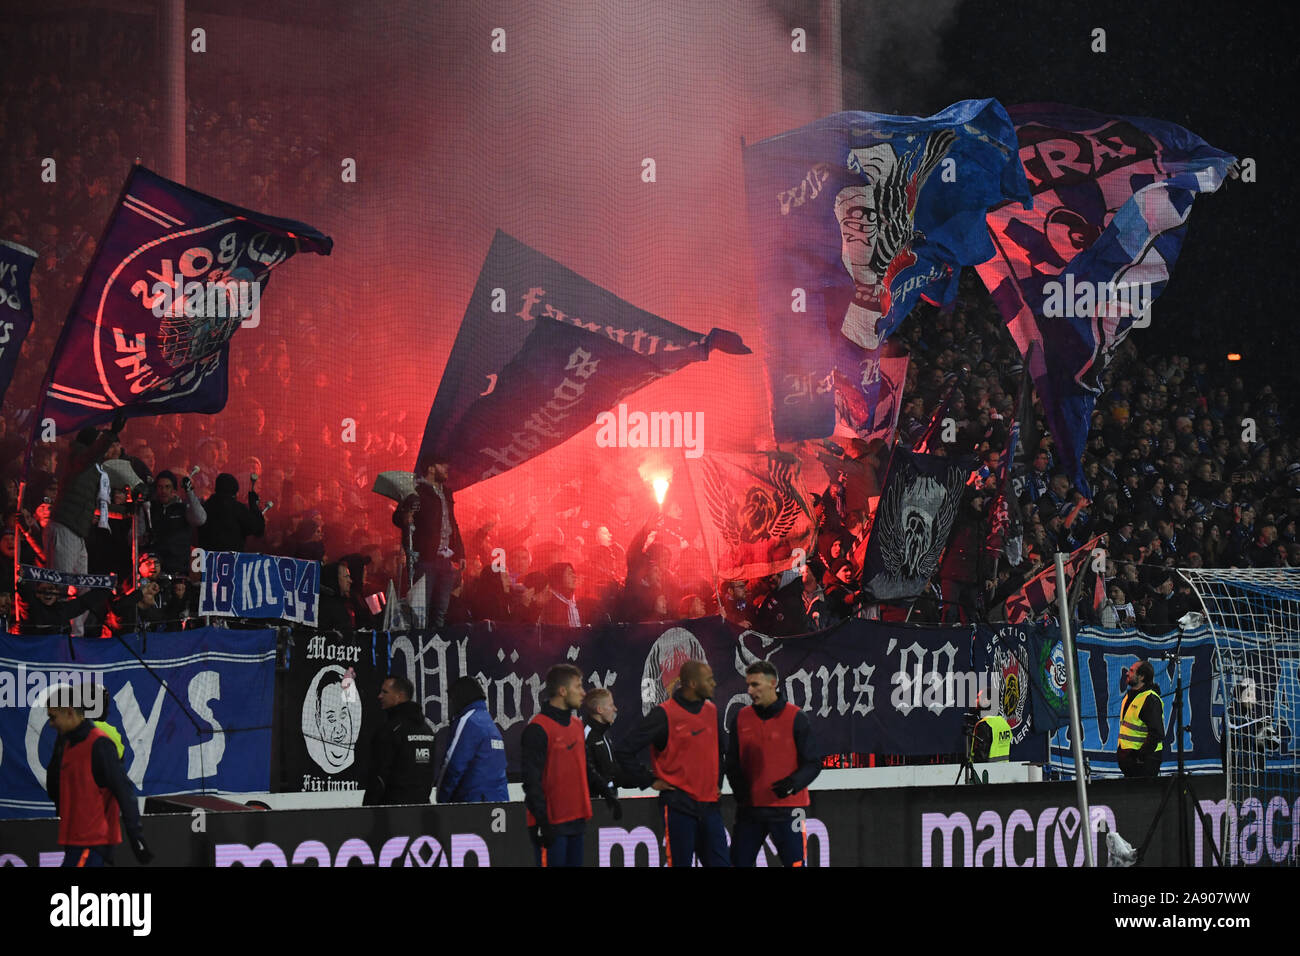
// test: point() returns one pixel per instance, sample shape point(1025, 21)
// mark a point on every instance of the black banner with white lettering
point(32, 573)
point(15, 306)
point(868, 686)
point(330, 709)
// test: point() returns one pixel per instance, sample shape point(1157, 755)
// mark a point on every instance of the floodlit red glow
point(335, 384)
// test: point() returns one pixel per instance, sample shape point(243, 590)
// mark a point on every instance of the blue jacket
point(474, 770)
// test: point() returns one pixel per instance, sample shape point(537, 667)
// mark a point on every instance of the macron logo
point(102, 909)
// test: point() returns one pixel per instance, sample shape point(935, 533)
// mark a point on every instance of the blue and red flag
point(175, 275)
point(855, 218)
point(1039, 593)
point(15, 306)
point(868, 399)
point(1074, 273)
point(519, 382)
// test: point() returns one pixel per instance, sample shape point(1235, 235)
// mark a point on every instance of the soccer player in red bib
point(771, 760)
point(88, 786)
point(684, 736)
point(554, 763)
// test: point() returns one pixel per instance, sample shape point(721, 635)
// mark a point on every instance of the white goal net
point(1254, 615)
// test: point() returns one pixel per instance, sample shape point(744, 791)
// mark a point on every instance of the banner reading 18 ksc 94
point(260, 586)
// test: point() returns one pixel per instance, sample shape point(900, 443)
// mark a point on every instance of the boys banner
point(853, 219)
point(1112, 195)
point(175, 275)
point(193, 708)
point(15, 306)
point(260, 586)
point(523, 380)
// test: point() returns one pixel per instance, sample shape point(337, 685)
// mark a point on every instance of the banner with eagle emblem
point(754, 510)
point(916, 512)
point(853, 219)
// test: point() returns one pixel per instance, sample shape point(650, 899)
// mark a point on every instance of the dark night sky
point(1225, 72)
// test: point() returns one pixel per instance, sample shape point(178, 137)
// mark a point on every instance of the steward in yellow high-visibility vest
point(113, 734)
point(991, 741)
point(1141, 724)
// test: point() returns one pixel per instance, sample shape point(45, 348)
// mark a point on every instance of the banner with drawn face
point(331, 711)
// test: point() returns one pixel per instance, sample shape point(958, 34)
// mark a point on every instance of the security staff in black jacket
point(401, 752)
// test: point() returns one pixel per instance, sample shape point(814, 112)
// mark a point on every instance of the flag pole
point(1076, 723)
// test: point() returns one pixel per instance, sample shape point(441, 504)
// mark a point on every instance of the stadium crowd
point(1190, 467)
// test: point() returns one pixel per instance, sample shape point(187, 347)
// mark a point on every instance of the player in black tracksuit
point(599, 714)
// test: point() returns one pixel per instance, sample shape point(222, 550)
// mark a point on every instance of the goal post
point(1254, 617)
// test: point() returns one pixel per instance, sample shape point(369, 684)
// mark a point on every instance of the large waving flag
point(175, 275)
point(523, 380)
point(754, 510)
point(1112, 195)
point(852, 220)
point(917, 508)
point(15, 306)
